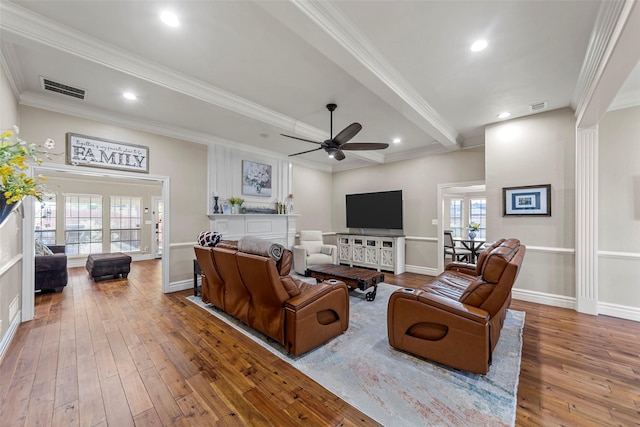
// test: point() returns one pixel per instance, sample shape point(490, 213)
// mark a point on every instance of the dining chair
point(450, 249)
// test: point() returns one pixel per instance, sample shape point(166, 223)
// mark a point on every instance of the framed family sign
point(83, 150)
point(532, 200)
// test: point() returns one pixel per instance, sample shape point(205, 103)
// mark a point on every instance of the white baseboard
point(180, 285)
point(620, 311)
point(428, 271)
point(8, 337)
point(544, 298)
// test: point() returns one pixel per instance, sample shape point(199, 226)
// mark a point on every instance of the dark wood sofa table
point(353, 277)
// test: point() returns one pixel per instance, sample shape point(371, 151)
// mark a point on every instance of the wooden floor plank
point(119, 352)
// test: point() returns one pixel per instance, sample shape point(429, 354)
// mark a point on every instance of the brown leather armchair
point(456, 319)
point(255, 290)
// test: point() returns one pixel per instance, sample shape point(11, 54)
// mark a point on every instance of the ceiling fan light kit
point(335, 145)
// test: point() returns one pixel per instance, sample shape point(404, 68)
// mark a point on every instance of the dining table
point(474, 245)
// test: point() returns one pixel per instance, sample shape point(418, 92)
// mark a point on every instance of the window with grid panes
point(455, 217)
point(124, 218)
point(478, 214)
point(83, 224)
point(45, 219)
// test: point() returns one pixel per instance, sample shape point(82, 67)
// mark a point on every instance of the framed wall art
point(532, 200)
point(85, 150)
point(256, 179)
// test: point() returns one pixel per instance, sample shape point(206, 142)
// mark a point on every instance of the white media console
point(379, 252)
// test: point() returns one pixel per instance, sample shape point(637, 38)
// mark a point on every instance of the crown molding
point(627, 100)
point(327, 16)
point(30, 26)
point(11, 67)
point(594, 87)
point(25, 24)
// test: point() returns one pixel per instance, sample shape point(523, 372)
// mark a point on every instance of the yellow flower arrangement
point(14, 152)
point(473, 226)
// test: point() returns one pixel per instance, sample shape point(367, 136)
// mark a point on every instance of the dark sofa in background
point(51, 270)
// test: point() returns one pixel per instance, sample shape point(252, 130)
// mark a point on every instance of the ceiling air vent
point(64, 89)
point(538, 106)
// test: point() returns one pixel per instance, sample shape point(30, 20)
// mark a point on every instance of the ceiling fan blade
point(347, 133)
point(305, 152)
point(364, 146)
point(339, 155)
point(301, 139)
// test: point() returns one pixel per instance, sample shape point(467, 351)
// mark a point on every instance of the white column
point(586, 249)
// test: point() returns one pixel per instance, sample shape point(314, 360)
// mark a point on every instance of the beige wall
point(184, 162)
point(312, 191)
point(10, 231)
point(418, 179)
point(538, 149)
point(619, 208)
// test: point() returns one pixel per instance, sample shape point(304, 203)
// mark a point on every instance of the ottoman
point(113, 264)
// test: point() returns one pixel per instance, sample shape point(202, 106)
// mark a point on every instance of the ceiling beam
point(340, 40)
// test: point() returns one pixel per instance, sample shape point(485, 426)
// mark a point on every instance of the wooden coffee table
point(353, 277)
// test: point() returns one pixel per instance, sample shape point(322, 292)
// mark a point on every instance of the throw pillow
point(42, 249)
point(209, 238)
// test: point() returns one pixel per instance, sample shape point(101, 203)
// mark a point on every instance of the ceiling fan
point(334, 146)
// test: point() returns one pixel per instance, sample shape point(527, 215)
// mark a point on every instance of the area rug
point(395, 388)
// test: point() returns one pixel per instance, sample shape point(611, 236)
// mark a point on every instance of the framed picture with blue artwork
point(532, 200)
point(256, 179)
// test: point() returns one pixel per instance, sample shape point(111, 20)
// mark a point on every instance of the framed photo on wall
point(532, 200)
point(256, 179)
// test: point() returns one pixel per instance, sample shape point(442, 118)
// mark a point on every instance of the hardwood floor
point(121, 353)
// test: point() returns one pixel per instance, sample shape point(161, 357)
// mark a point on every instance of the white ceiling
point(242, 72)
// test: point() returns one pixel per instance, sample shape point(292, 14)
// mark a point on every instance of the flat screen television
point(381, 210)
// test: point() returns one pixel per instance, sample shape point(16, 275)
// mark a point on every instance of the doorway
point(28, 242)
point(445, 191)
point(158, 208)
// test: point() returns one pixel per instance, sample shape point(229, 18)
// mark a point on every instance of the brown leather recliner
point(261, 294)
point(456, 319)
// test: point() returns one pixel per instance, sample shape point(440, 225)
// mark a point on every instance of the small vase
point(234, 209)
point(472, 234)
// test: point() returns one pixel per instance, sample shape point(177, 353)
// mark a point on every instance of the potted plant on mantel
point(236, 201)
point(14, 182)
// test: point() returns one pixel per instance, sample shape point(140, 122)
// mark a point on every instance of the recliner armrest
point(310, 295)
point(446, 304)
point(462, 267)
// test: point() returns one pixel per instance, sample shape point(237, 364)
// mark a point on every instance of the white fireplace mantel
point(277, 228)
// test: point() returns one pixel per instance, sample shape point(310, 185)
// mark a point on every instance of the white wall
point(10, 235)
point(619, 208)
point(533, 150)
point(419, 179)
point(184, 162)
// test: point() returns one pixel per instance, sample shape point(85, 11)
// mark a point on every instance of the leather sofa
point(456, 319)
point(51, 270)
point(259, 292)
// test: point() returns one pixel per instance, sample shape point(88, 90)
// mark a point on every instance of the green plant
point(14, 153)
point(473, 226)
point(236, 201)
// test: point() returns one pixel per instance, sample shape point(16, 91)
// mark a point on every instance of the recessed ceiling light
point(397, 140)
point(169, 18)
point(504, 115)
point(130, 96)
point(479, 45)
